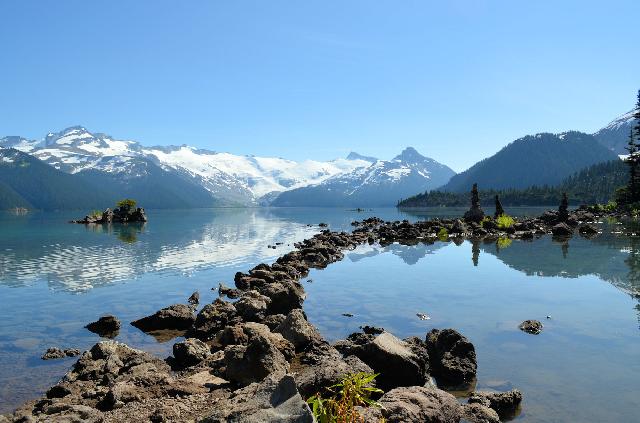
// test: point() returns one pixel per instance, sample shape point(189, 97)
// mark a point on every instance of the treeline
point(594, 184)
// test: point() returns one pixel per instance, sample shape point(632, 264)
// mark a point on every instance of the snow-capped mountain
point(382, 183)
point(230, 179)
point(615, 135)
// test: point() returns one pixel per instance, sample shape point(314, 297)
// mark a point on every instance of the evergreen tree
point(636, 115)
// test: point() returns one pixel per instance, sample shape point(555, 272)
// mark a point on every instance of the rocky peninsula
point(258, 359)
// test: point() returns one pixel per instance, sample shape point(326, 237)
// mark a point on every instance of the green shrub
point(127, 204)
point(504, 221)
point(339, 406)
point(485, 220)
point(95, 213)
point(443, 234)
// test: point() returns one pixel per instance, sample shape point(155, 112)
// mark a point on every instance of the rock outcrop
point(106, 326)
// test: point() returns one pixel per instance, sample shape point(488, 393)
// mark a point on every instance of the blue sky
point(316, 79)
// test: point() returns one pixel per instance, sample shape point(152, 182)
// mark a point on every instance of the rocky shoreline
point(258, 359)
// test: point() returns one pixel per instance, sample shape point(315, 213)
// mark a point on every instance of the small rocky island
point(124, 212)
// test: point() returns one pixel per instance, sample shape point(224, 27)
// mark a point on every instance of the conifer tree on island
point(631, 193)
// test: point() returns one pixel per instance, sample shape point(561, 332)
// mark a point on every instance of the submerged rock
point(533, 327)
point(453, 357)
point(54, 353)
point(176, 317)
point(107, 326)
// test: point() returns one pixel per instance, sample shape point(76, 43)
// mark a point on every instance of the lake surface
point(585, 366)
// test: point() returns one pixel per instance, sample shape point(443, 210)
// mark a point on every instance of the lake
point(56, 277)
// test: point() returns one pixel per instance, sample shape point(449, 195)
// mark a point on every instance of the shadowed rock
point(452, 358)
point(175, 317)
point(106, 326)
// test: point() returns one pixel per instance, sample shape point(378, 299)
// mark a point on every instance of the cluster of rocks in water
point(258, 358)
point(118, 215)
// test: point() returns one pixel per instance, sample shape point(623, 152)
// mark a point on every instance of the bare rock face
point(174, 317)
point(394, 359)
point(190, 352)
point(285, 296)
point(415, 404)
point(275, 399)
point(296, 329)
point(504, 403)
point(453, 357)
point(106, 326)
point(533, 327)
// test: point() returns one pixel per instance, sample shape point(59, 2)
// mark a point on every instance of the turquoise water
point(56, 277)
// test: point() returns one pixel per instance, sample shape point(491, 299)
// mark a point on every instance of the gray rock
point(276, 399)
point(452, 357)
point(174, 317)
point(533, 327)
point(416, 404)
point(322, 366)
point(587, 230)
point(296, 329)
point(394, 359)
point(190, 352)
point(252, 306)
point(285, 296)
point(213, 318)
point(253, 362)
point(504, 403)
point(478, 413)
point(229, 292)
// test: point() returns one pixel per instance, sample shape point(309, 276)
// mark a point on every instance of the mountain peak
point(409, 154)
point(355, 156)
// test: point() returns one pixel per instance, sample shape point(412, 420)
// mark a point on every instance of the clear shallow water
point(585, 366)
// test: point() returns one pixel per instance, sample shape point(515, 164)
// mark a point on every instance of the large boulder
point(275, 399)
point(174, 317)
point(504, 403)
point(415, 404)
point(285, 296)
point(321, 366)
point(213, 318)
point(252, 306)
point(394, 359)
point(255, 361)
point(190, 352)
point(452, 357)
point(296, 329)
